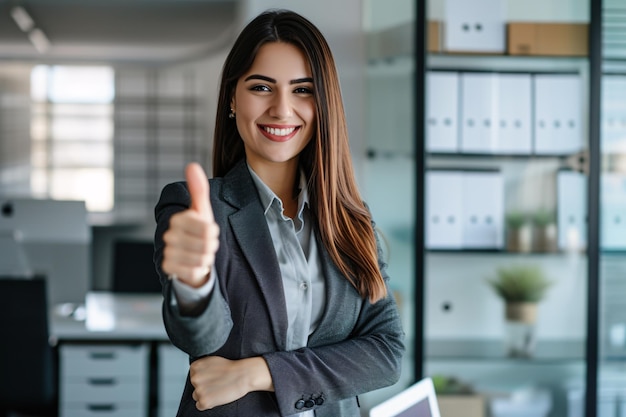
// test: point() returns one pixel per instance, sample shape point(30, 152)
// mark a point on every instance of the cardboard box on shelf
point(547, 39)
point(461, 405)
point(434, 36)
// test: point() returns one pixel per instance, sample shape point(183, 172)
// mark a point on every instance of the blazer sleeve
point(207, 330)
point(369, 359)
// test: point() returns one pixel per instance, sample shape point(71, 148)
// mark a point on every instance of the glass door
point(390, 164)
point(506, 189)
point(611, 308)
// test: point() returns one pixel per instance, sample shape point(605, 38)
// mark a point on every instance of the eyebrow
point(273, 81)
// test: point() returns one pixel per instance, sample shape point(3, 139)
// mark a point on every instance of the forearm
point(342, 369)
point(201, 334)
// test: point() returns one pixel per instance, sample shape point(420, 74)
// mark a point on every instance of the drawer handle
point(102, 381)
point(102, 355)
point(101, 407)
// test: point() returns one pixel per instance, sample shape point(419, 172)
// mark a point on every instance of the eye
point(303, 90)
point(260, 87)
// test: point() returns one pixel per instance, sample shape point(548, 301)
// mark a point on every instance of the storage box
point(433, 36)
point(477, 26)
point(461, 405)
point(547, 39)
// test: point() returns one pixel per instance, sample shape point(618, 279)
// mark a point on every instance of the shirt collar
point(267, 196)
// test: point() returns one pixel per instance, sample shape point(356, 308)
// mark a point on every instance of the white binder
point(514, 122)
point(613, 127)
point(464, 210)
point(477, 26)
point(442, 108)
point(479, 112)
point(613, 211)
point(558, 114)
point(483, 210)
point(444, 209)
point(572, 210)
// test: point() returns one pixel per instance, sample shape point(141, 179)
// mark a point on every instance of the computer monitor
point(53, 240)
point(133, 267)
point(419, 400)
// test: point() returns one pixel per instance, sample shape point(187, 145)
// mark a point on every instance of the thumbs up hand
point(193, 236)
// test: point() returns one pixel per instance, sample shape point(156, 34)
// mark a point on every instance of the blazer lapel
point(252, 234)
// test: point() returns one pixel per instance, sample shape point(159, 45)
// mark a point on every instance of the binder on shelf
point(483, 210)
point(613, 125)
point(464, 210)
point(558, 114)
point(442, 104)
point(479, 93)
point(571, 211)
point(476, 26)
point(613, 211)
point(444, 209)
point(514, 122)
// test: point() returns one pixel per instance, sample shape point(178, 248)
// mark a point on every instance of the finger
point(199, 190)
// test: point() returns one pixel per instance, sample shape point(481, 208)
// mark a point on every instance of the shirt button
point(304, 286)
point(299, 404)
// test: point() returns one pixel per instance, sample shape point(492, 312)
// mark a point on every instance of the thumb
point(198, 189)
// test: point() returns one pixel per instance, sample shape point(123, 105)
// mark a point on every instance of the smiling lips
point(278, 133)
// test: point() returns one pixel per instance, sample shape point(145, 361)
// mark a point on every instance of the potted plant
point(544, 231)
point(518, 232)
point(456, 397)
point(521, 287)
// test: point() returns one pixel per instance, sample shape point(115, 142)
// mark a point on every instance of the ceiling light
point(39, 39)
point(22, 18)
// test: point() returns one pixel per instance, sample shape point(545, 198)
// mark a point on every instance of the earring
point(231, 115)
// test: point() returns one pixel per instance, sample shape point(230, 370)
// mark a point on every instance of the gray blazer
point(356, 348)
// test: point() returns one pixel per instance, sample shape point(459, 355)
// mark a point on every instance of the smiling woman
point(275, 115)
point(272, 272)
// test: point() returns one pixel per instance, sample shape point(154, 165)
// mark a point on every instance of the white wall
point(385, 14)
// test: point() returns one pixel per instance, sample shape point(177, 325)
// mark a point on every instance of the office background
point(121, 144)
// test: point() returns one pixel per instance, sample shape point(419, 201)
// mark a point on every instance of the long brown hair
point(343, 221)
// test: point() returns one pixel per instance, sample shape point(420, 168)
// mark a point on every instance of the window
point(72, 134)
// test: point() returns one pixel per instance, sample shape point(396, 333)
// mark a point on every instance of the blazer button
point(309, 403)
point(319, 401)
point(299, 404)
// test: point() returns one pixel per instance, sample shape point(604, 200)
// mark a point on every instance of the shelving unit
point(464, 321)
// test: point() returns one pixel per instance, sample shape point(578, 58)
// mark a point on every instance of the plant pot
point(519, 239)
point(520, 329)
point(545, 238)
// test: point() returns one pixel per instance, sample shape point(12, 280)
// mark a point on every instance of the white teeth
point(279, 132)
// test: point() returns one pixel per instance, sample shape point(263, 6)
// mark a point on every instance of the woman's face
point(274, 106)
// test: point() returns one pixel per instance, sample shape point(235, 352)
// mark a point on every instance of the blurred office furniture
point(104, 378)
point(133, 267)
point(28, 373)
point(118, 361)
point(55, 237)
point(13, 262)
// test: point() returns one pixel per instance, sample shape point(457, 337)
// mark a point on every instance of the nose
point(281, 106)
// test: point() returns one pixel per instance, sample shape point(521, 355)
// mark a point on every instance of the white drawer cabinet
point(104, 380)
point(173, 368)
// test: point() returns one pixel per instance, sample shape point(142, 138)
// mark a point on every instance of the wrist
point(259, 376)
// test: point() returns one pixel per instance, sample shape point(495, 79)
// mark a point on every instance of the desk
point(118, 361)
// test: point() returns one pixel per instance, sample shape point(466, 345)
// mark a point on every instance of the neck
point(280, 178)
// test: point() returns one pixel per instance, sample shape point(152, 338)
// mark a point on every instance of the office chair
point(28, 369)
point(133, 267)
